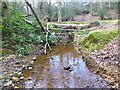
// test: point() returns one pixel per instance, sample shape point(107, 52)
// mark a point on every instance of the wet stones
point(22, 78)
point(48, 58)
point(8, 83)
point(32, 62)
point(30, 68)
point(69, 68)
point(16, 79)
point(76, 64)
point(29, 78)
point(34, 59)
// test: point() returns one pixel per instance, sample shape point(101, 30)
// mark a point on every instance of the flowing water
point(48, 71)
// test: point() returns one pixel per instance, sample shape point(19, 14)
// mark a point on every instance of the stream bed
point(48, 71)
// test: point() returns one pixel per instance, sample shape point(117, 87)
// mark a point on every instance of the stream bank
point(49, 71)
point(108, 61)
point(12, 67)
point(28, 65)
point(104, 62)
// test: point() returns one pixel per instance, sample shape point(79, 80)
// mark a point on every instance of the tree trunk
point(91, 7)
point(5, 10)
point(59, 12)
point(49, 11)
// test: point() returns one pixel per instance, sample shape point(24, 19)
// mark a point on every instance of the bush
point(20, 36)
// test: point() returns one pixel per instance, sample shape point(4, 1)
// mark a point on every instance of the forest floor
point(12, 67)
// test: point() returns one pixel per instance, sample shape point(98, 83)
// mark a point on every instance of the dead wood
point(39, 22)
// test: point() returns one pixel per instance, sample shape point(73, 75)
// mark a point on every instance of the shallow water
point(48, 71)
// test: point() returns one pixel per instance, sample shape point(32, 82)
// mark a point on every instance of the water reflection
point(50, 73)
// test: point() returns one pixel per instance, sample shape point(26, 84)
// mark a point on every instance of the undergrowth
point(20, 36)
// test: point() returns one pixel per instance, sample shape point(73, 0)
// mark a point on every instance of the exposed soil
point(86, 17)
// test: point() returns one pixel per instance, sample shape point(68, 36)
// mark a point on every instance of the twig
point(27, 15)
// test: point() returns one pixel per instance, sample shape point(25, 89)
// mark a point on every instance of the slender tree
point(59, 12)
point(5, 10)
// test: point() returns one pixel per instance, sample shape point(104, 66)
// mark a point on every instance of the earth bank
point(101, 51)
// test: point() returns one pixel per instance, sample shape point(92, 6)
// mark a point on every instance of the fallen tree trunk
point(39, 22)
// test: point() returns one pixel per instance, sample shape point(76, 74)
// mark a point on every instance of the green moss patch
point(96, 40)
point(4, 77)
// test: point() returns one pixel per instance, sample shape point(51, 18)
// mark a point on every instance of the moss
point(78, 22)
point(96, 40)
point(4, 52)
point(16, 74)
point(4, 77)
point(57, 30)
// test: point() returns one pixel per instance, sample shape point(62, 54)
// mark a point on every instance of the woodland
point(59, 44)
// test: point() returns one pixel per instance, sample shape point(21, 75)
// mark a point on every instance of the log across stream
point(48, 71)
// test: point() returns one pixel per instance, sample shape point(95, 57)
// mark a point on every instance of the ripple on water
point(51, 73)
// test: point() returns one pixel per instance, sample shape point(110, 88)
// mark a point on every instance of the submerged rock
point(69, 68)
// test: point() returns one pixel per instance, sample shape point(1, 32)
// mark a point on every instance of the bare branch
point(39, 22)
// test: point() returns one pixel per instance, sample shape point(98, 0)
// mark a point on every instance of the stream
point(48, 71)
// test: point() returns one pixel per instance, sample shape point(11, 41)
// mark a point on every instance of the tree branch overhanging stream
point(46, 30)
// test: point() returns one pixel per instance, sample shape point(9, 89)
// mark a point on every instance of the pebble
point(8, 83)
point(22, 78)
point(5, 72)
point(34, 58)
point(70, 69)
point(15, 79)
point(29, 78)
point(30, 68)
point(19, 73)
point(11, 75)
point(17, 62)
point(16, 87)
point(76, 64)
point(32, 62)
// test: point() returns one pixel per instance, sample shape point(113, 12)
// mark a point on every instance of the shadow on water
point(48, 71)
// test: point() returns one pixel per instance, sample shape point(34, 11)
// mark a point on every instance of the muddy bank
point(12, 67)
point(105, 62)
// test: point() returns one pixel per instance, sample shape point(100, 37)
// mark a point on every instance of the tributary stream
point(48, 71)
